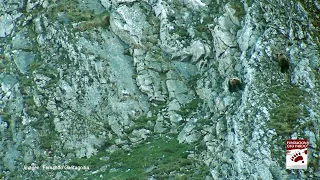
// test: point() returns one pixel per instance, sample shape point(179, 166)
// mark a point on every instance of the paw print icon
point(297, 157)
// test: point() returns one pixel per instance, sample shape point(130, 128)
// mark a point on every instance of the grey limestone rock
point(22, 59)
point(74, 87)
point(21, 41)
point(7, 24)
point(129, 23)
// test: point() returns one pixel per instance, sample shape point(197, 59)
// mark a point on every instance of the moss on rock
point(160, 157)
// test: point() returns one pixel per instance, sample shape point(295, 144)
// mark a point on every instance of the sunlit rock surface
point(139, 89)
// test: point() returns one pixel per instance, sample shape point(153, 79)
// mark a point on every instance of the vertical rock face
point(84, 80)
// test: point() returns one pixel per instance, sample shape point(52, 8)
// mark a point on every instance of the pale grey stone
point(179, 90)
point(193, 137)
point(38, 25)
point(185, 135)
point(3, 126)
point(173, 105)
point(22, 59)
point(7, 81)
point(7, 22)
point(174, 117)
point(184, 69)
point(198, 50)
point(159, 127)
point(221, 127)
point(10, 156)
point(21, 40)
point(311, 139)
point(94, 5)
point(208, 138)
point(194, 4)
point(28, 157)
point(8, 6)
point(106, 3)
point(140, 134)
point(129, 23)
point(31, 5)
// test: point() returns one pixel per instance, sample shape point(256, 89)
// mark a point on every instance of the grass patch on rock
point(67, 12)
point(190, 107)
point(142, 123)
point(284, 117)
point(160, 157)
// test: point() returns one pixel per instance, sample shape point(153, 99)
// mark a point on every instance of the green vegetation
point(70, 8)
point(47, 140)
point(6, 64)
point(161, 157)
point(238, 7)
point(68, 11)
point(158, 55)
point(26, 86)
point(204, 121)
point(192, 82)
point(6, 116)
point(47, 128)
point(101, 20)
point(201, 122)
point(151, 35)
point(284, 118)
point(158, 107)
point(314, 16)
point(141, 123)
point(190, 107)
point(314, 162)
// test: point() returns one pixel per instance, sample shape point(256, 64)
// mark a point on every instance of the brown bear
point(283, 62)
point(235, 84)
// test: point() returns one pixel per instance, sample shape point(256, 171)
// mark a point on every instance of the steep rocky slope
point(139, 89)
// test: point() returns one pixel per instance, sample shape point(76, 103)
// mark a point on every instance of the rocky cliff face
point(130, 88)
